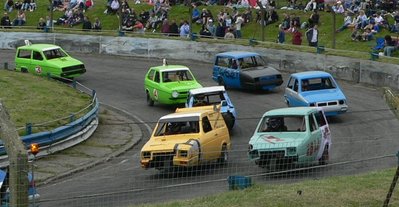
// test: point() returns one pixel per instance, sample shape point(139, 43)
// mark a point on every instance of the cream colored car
point(188, 137)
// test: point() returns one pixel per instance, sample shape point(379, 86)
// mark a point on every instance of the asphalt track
point(364, 139)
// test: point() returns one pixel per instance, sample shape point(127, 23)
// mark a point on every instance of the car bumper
point(264, 85)
point(335, 110)
point(72, 74)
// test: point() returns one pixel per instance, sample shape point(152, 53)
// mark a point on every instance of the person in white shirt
point(238, 24)
point(312, 36)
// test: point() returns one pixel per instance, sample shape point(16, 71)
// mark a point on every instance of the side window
point(222, 62)
point(156, 78)
point(320, 119)
point(37, 56)
point(150, 75)
point(24, 54)
point(296, 85)
point(290, 83)
point(312, 123)
point(206, 125)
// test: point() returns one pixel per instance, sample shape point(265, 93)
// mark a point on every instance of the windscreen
point(314, 84)
point(54, 53)
point(174, 126)
point(176, 75)
point(283, 124)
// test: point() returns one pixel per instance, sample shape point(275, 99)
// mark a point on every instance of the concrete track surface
point(364, 139)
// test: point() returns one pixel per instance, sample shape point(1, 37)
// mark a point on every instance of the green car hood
point(182, 85)
point(277, 140)
point(64, 62)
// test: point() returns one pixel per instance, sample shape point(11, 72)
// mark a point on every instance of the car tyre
point(150, 102)
point(224, 156)
point(229, 120)
point(24, 70)
point(324, 157)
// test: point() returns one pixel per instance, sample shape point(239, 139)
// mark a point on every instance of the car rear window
point(24, 54)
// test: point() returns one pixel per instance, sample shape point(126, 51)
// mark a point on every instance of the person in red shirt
point(139, 27)
point(296, 36)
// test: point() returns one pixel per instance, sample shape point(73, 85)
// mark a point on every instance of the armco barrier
point(61, 137)
point(356, 70)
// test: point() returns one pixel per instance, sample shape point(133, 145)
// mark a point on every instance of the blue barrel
point(238, 182)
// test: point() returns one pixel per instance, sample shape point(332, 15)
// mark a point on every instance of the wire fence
point(283, 183)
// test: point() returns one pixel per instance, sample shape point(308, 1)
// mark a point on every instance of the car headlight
point(250, 147)
point(175, 94)
point(146, 155)
point(291, 151)
point(341, 102)
point(183, 153)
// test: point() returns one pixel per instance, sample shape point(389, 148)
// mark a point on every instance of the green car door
point(24, 60)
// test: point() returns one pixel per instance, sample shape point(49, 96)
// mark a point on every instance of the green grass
point(360, 190)
point(33, 99)
point(252, 30)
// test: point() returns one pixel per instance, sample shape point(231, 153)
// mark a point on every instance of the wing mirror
point(223, 103)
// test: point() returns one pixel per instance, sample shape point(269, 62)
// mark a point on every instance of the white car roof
point(180, 115)
point(172, 69)
point(207, 90)
point(51, 48)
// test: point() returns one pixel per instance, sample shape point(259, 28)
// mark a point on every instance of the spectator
point(367, 35)
point(296, 36)
point(26, 5)
point(86, 24)
point(114, 6)
point(238, 25)
point(165, 27)
point(196, 15)
point(220, 29)
point(281, 35)
point(138, 27)
point(389, 45)
point(228, 21)
point(395, 25)
point(152, 22)
point(211, 27)
point(185, 29)
point(173, 29)
point(338, 8)
point(312, 35)
point(5, 21)
point(18, 5)
point(361, 20)
point(347, 22)
point(42, 24)
point(33, 5)
point(229, 34)
point(311, 5)
point(97, 24)
point(247, 16)
point(286, 21)
point(89, 4)
point(204, 32)
point(49, 24)
point(205, 15)
point(8, 6)
point(314, 18)
point(21, 19)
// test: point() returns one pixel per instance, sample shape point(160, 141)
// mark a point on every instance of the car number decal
point(312, 148)
point(155, 93)
point(272, 139)
point(38, 69)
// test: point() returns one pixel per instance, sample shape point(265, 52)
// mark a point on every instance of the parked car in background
point(33, 198)
point(247, 70)
point(290, 137)
point(169, 84)
point(318, 89)
point(45, 59)
point(210, 96)
point(186, 138)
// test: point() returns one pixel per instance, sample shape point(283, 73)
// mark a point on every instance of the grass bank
point(360, 190)
point(33, 99)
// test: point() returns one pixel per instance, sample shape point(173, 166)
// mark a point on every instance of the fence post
point(393, 184)
point(71, 118)
point(74, 83)
point(93, 93)
point(28, 128)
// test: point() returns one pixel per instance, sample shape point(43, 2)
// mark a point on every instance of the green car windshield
point(176, 75)
point(283, 124)
point(54, 53)
point(184, 125)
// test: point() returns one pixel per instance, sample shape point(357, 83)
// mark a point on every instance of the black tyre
point(324, 157)
point(150, 102)
point(24, 70)
point(224, 156)
point(229, 120)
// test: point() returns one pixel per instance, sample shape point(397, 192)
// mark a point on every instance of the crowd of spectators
point(365, 18)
